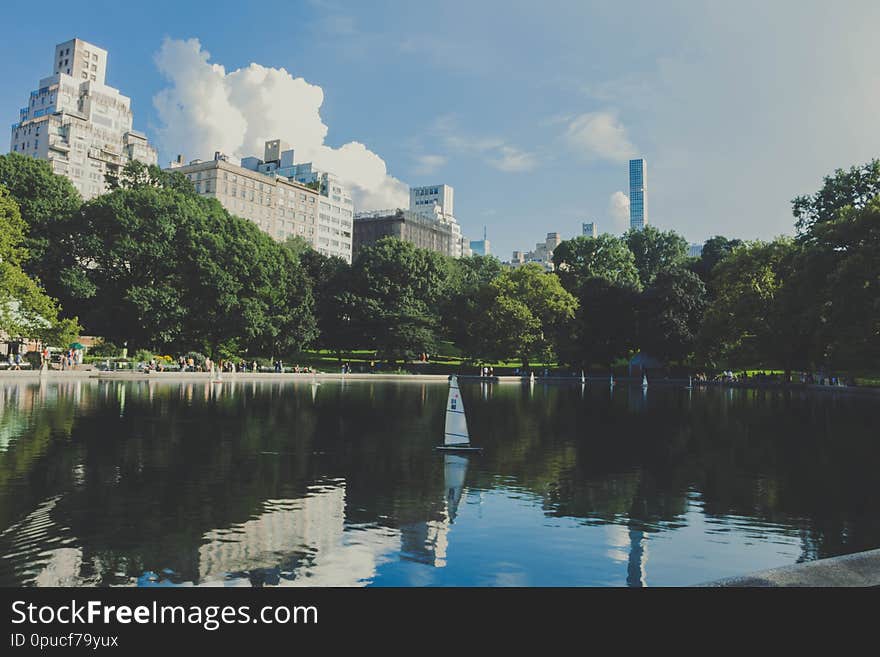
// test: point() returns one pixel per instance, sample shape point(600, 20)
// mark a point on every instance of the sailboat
point(218, 377)
point(644, 380)
point(531, 377)
point(611, 380)
point(583, 378)
point(455, 434)
point(690, 385)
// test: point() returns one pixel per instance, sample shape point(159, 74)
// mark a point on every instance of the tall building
point(481, 247)
point(638, 194)
point(258, 190)
point(418, 229)
point(438, 202)
point(79, 124)
point(590, 229)
point(695, 250)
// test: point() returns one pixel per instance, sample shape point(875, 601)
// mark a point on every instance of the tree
point(744, 324)
point(46, 202)
point(462, 306)
point(655, 251)
point(336, 308)
point(856, 187)
point(715, 249)
point(396, 288)
point(164, 268)
point(135, 175)
point(25, 309)
point(670, 314)
point(297, 246)
point(582, 258)
point(835, 288)
point(605, 326)
point(524, 311)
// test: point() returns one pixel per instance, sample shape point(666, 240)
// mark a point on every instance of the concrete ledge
point(859, 569)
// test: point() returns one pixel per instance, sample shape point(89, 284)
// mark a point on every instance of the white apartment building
point(79, 124)
point(258, 190)
point(438, 202)
point(543, 253)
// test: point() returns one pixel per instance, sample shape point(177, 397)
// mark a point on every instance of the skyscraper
point(638, 194)
point(79, 124)
point(590, 229)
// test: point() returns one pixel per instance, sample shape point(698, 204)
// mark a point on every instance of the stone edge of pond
point(861, 569)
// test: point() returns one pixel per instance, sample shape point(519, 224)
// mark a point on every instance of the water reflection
point(269, 483)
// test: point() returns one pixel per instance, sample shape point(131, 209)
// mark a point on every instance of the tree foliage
point(26, 311)
point(655, 251)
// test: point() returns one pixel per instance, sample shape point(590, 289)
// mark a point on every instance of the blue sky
point(528, 110)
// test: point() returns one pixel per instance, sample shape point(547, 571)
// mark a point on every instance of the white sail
point(532, 377)
point(454, 469)
point(644, 380)
point(612, 380)
point(583, 378)
point(456, 431)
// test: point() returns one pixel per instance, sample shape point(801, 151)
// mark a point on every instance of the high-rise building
point(638, 194)
point(261, 191)
point(423, 231)
point(79, 124)
point(481, 247)
point(438, 202)
point(590, 229)
point(695, 250)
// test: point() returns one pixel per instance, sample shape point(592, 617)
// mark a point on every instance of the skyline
point(401, 95)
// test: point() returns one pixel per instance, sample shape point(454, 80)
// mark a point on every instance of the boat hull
point(456, 448)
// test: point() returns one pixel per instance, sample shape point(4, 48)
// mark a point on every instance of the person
point(255, 366)
point(17, 361)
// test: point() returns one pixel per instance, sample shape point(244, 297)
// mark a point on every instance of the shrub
point(106, 349)
point(143, 356)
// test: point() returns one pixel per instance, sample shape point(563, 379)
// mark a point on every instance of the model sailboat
point(455, 434)
point(644, 380)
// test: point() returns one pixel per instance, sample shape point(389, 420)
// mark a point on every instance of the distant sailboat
point(644, 380)
point(611, 380)
point(531, 377)
point(218, 378)
point(583, 378)
point(690, 385)
point(455, 434)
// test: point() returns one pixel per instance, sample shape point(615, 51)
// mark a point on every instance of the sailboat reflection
point(427, 542)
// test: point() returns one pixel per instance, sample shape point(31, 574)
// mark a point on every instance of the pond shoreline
point(56, 375)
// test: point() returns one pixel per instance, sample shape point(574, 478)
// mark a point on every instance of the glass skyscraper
point(638, 194)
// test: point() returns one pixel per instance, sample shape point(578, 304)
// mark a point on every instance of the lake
point(260, 483)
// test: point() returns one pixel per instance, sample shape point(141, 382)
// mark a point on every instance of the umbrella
point(75, 345)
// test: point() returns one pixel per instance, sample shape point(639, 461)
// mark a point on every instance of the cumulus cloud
point(205, 109)
point(618, 208)
point(600, 134)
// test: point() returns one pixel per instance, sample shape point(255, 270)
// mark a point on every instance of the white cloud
point(512, 159)
point(600, 134)
point(427, 164)
point(495, 152)
point(207, 109)
point(618, 208)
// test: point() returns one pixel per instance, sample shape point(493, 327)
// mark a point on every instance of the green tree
point(582, 258)
point(525, 310)
point(855, 187)
point(25, 309)
point(606, 324)
point(715, 249)
point(47, 202)
point(670, 314)
point(462, 306)
point(396, 290)
point(163, 268)
point(745, 325)
point(655, 251)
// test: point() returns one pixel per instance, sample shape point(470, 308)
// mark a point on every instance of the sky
point(529, 110)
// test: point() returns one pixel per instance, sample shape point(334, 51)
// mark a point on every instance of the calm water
point(250, 483)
